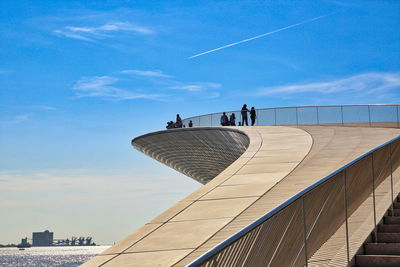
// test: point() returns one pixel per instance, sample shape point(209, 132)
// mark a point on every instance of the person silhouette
point(244, 115)
point(253, 116)
point(224, 119)
point(232, 119)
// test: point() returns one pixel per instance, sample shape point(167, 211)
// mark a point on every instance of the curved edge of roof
point(200, 153)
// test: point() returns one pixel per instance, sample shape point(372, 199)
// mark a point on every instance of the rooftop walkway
point(274, 163)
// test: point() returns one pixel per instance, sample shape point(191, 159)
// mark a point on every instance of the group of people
point(228, 122)
point(231, 121)
point(176, 124)
point(225, 121)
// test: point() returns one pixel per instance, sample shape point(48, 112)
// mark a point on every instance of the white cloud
point(147, 73)
point(72, 35)
point(366, 83)
point(103, 86)
point(196, 87)
point(46, 108)
point(109, 87)
point(85, 33)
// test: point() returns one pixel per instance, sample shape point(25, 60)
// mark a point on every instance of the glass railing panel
point(286, 116)
point(359, 203)
point(384, 116)
point(266, 117)
point(325, 217)
point(307, 115)
point(356, 115)
point(205, 121)
point(216, 119)
point(185, 122)
point(330, 115)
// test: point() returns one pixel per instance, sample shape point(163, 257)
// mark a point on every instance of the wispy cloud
point(162, 85)
point(147, 73)
point(196, 87)
point(365, 83)
point(108, 30)
point(49, 108)
point(104, 87)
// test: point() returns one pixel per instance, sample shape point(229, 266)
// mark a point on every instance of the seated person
point(170, 125)
point(232, 119)
point(224, 120)
point(178, 123)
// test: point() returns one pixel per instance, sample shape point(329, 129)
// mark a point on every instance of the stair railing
point(325, 223)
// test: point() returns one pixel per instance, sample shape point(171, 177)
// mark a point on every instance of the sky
point(80, 79)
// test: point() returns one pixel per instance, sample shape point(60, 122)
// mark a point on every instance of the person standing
point(253, 116)
point(190, 124)
point(244, 115)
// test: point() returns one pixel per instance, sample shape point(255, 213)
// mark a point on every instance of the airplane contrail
point(261, 35)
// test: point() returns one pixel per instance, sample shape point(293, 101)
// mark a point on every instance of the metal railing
point(348, 115)
point(325, 223)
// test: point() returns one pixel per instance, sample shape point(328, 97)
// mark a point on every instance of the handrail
point(312, 106)
point(374, 115)
point(253, 225)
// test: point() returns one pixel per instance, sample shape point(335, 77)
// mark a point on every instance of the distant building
point(42, 239)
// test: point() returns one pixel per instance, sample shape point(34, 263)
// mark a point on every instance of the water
point(48, 256)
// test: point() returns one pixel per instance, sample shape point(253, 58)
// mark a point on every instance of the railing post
point(369, 116)
point(305, 232)
point(341, 112)
point(373, 196)
point(391, 177)
point(398, 122)
point(346, 217)
point(297, 116)
point(317, 116)
point(211, 121)
point(275, 115)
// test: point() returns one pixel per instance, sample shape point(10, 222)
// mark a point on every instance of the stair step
point(389, 228)
point(392, 220)
point(378, 260)
point(389, 238)
point(396, 212)
point(382, 248)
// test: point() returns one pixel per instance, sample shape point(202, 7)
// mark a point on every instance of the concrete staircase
point(386, 250)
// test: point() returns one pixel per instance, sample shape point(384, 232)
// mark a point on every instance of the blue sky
point(80, 79)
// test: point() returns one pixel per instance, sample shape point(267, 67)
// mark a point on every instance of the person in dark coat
point(224, 119)
point(190, 124)
point(244, 115)
point(253, 116)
